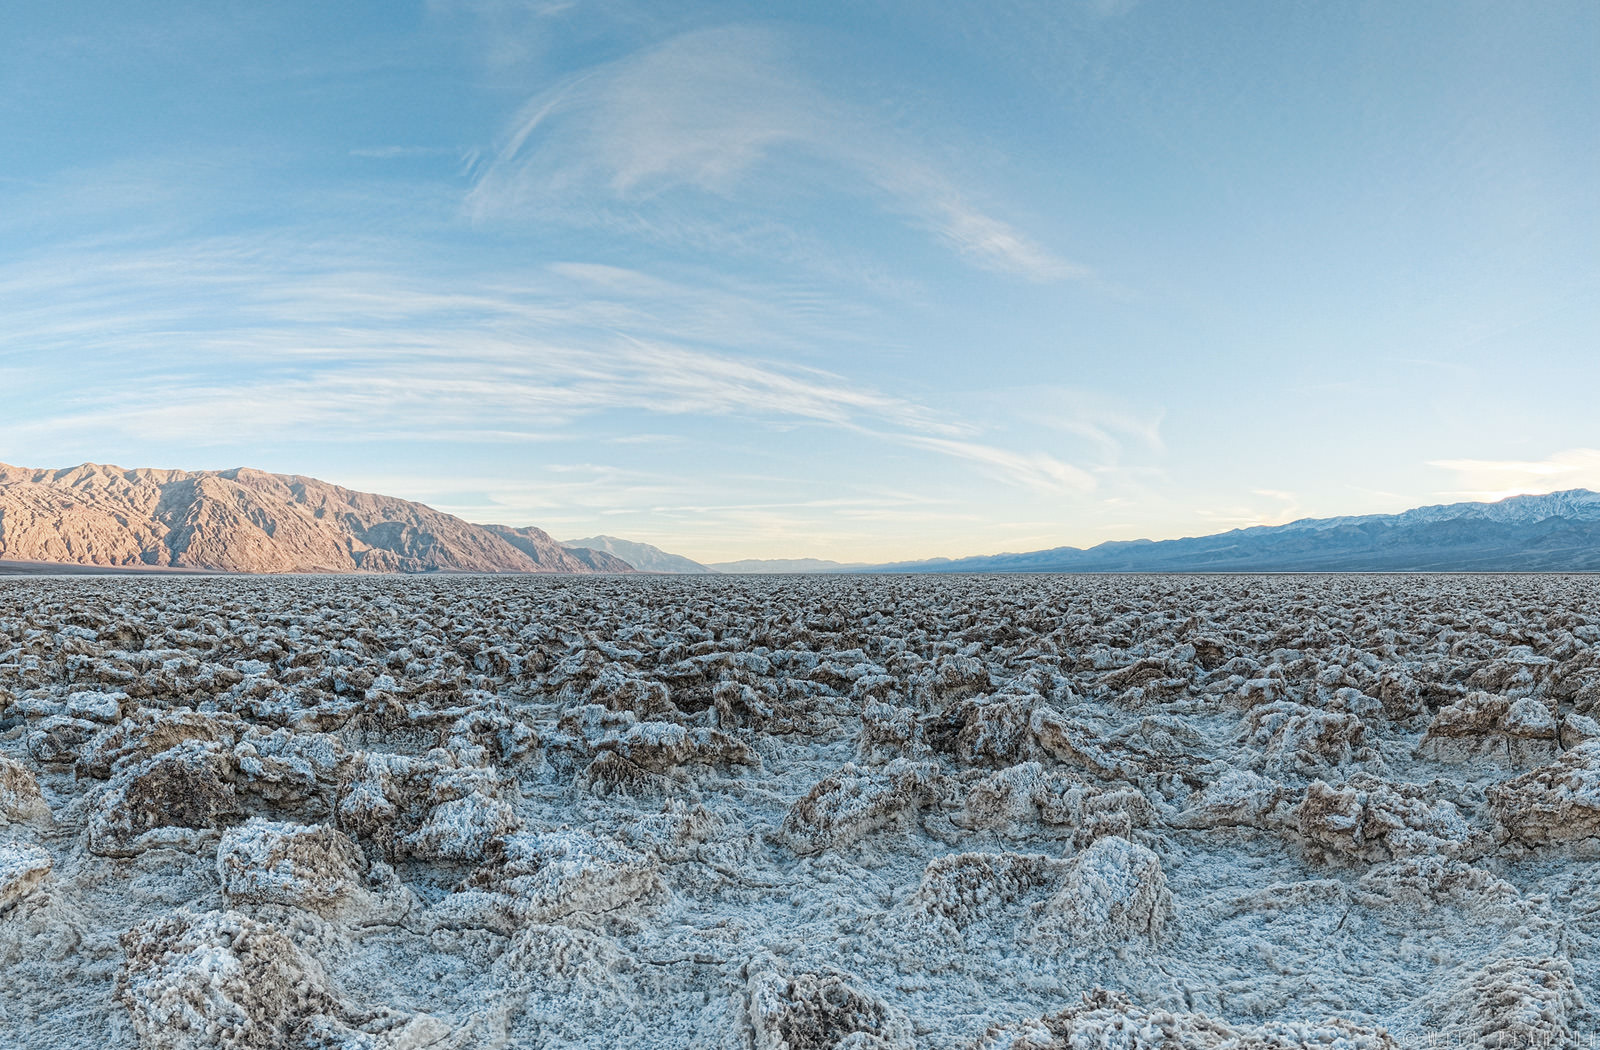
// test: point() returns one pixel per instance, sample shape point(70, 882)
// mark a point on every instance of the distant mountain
point(1557, 532)
point(600, 561)
point(537, 544)
point(781, 565)
point(641, 556)
point(246, 520)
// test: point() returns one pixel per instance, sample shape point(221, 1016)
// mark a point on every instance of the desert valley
point(799, 525)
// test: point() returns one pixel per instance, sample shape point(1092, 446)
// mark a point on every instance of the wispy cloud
point(218, 344)
point(1109, 422)
point(1494, 479)
point(1035, 470)
point(404, 152)
point(995, 245)
point(726, 114)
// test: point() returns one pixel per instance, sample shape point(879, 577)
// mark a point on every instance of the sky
point(862, 281)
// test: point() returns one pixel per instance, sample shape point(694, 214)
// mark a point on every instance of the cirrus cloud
point(724, 113)
point(217, 343)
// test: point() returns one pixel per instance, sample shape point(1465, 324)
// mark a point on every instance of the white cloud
point(1111, 423)
point(218, 344)
point(996, 246)
point(722, 112)
point(1035, 470)
point(403, 152)
point(1495, 479)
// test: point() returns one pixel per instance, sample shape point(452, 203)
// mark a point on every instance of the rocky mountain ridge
point(251, 521)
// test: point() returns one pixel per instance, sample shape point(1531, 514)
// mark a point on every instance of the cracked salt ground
point(806, 813)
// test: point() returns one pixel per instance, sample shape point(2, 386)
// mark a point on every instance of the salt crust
point(1278, 813)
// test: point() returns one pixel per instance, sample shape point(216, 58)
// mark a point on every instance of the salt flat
point(804, 812)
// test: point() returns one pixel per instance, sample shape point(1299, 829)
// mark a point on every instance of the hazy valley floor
point(806, 812)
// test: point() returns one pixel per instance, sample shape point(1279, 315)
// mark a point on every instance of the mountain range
point(1555, 532)
point(250, 521)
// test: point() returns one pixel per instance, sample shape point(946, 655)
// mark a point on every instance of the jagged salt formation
point(800, 813)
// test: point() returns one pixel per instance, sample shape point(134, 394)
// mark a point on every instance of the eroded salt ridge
point(1032, 813)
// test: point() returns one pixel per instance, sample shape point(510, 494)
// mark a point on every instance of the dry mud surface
point(804, 813)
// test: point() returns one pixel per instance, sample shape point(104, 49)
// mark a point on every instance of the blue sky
point(859, 281)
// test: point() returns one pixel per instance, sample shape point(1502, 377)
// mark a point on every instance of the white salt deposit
point(806, 813)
